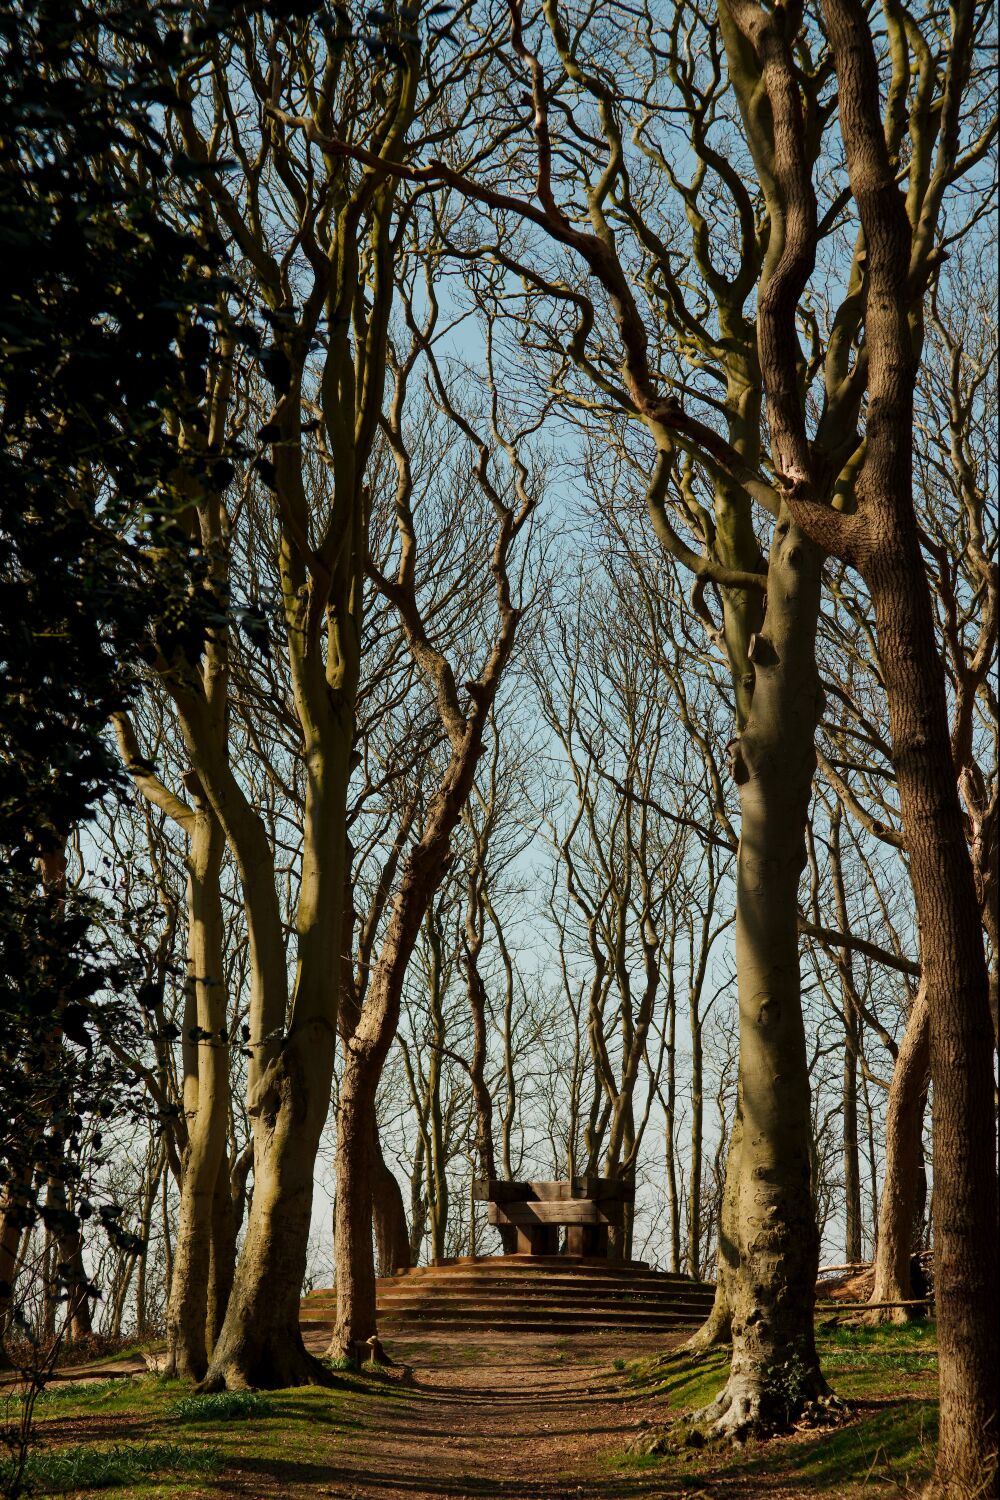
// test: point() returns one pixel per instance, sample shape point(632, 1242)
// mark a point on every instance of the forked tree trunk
point(904, 1156)
point(771, 1264)
point(260, 1344)
point(364, 1058)
point(365, 1053)
point(188, 1335)
point(291, 1072)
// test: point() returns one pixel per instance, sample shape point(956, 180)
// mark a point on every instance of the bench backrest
point(592, 1189)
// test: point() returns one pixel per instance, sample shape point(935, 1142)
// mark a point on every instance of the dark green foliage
point(106, 308)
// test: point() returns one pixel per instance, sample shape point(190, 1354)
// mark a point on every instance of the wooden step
point(556, 1294)
point(693, 1298)
point(556, 1323)
point(595, 1297)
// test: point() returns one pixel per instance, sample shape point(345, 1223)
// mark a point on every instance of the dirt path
point(481, 1417)
point(522, 1422)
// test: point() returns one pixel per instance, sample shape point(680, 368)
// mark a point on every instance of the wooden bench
point(587, 1207)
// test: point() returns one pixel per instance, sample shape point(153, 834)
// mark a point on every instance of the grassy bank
point(148, 1437)
point(888, 1377)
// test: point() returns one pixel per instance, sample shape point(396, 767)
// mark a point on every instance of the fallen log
point(834, 1305)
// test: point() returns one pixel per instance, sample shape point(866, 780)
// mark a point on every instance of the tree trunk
point(222, 1256)
point(206, 1105)
point(71, 1272)
point(481, 1096)
point(771, 1267)
point(142, 1320)
point(849, 1092)
point(291, 1070)
point(392, 1237)
point(12, 1222)
point(418, 1201)
point(697, 1127)
point(961, 1026)
point(369, 1045)
point(261, 1342)
point(883, 541)
point(355, 1267)
point(365, 1056)
point(437, 1165)
point(717, 1326)
point(852, 1163)
point(903, 1162)
point(669, 1143)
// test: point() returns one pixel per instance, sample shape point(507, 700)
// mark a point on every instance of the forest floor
point(497, 1417)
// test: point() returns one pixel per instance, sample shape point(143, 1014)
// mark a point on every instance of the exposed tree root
point(276, 1365)
point(748, 1408)
point(716, 1330)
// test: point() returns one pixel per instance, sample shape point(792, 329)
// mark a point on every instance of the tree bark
point(70, 1271)
point(903, 1162)
point(697, 1129)
point(476, 990)
point(961, 1026)
point(260, 1344)
point(717, 1326)
point(206, 1105)
point(12, 1224)
point(222, 1256)
point(771, 1267)
point(884, 544)
point(392, 1237)
point(291, 1071)
point(368, 1047)
point(849, 1092)
point(365, 1055)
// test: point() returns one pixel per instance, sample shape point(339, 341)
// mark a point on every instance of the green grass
point(153, 1421)
point(84, 1395)
point(885, 1373)
point(222, 1406)
point(88, 1467)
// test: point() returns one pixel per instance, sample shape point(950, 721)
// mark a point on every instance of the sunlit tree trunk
point(772, 1257)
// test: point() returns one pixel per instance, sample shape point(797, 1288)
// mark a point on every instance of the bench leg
point(538, 1239)
point(587, 1239)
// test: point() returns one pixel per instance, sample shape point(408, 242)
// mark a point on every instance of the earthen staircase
point(528, 1294)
